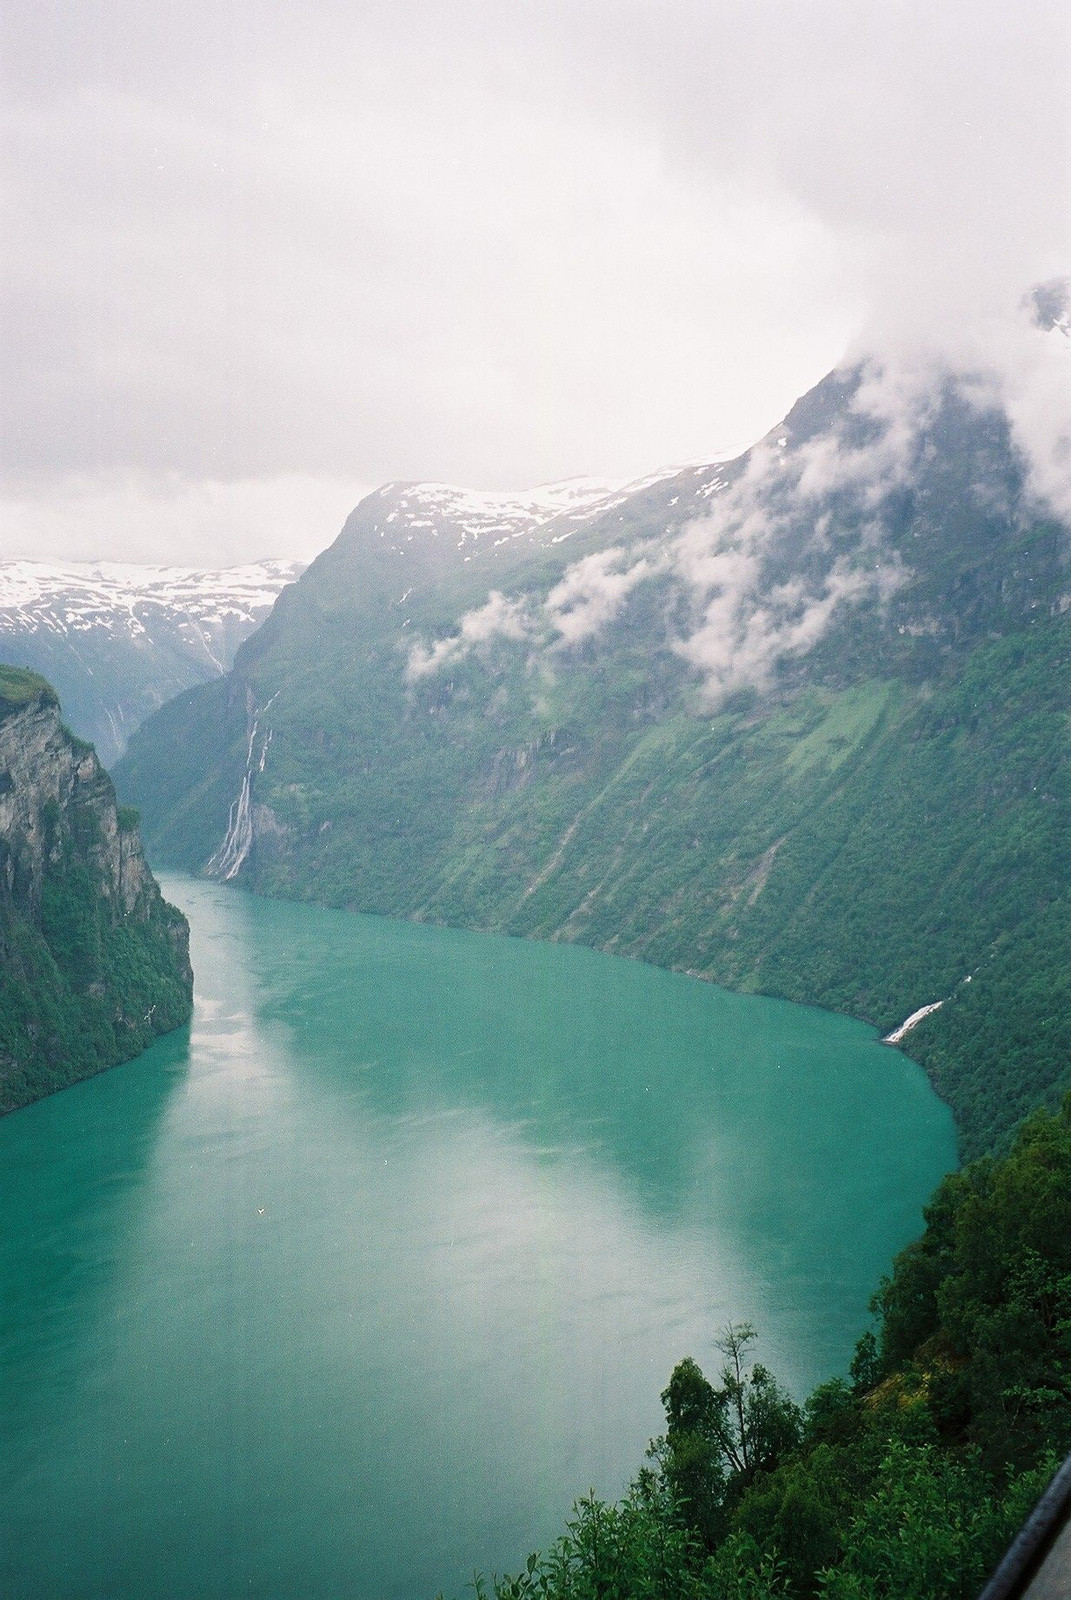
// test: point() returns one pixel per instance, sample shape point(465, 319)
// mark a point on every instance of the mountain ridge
point(792, 723)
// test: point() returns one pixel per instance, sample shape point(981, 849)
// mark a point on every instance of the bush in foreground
point(908, 1481)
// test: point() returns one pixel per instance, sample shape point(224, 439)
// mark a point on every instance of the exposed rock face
point(93, 962)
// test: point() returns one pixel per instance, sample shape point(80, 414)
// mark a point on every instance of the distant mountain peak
point(475, 520)
point(123, 585)
point(119, 638)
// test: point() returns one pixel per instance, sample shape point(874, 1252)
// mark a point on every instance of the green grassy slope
point(20, 687)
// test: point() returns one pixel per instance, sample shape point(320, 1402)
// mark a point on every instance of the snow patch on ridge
point(489, 518)
point(111, 594)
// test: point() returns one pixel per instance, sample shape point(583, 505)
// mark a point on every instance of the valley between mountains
point(796, 723)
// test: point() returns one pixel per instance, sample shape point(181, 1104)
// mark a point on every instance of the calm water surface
point(358, 1284)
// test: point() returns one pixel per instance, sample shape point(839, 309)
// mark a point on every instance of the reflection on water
point(365, 1283)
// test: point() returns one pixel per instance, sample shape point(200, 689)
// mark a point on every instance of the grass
point(19, 687)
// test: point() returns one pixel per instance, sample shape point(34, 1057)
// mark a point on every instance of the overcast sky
point(261, 257)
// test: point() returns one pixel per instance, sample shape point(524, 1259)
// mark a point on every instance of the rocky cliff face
point(93, 962)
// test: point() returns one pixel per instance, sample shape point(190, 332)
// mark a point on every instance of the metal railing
point(1026, 1556)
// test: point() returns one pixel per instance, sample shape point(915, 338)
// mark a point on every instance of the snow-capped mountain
point(117, 640)
point(477, 522)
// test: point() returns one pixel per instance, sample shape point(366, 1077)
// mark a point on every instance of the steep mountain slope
point(795, 722)
point(118, 640)
point(93, 963)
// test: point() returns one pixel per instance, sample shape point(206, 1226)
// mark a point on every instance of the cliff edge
point(94, 963)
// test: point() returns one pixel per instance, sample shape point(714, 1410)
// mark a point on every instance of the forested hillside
point(796, 723)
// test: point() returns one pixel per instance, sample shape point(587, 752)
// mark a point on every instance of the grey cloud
point(750, 617)
point(498, 618)
point(496, 244)
point(430, 278)
point(749, 626)
point(1027, 372)
point(592, 594)
point(589, 597)
point(203, 522)
point(750, 621)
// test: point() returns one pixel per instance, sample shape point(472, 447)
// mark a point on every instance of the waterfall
point(238, 839)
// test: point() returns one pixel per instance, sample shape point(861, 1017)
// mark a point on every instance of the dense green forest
point(906, 1482)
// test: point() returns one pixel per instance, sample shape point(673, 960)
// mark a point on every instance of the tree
point(690, 1455)
point(755, 1420)
point(718, 1439)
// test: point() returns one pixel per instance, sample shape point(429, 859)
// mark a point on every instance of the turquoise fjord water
point(359, 1284)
